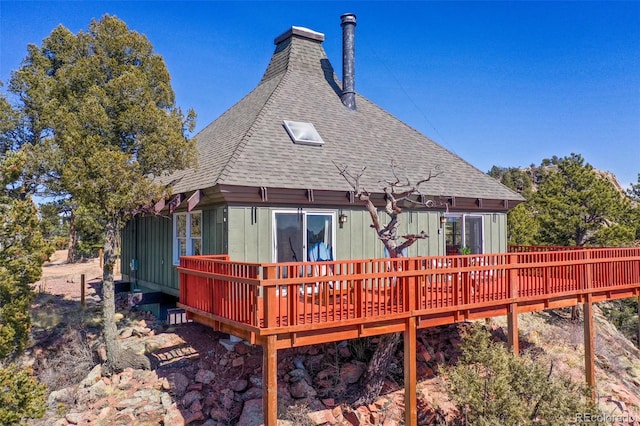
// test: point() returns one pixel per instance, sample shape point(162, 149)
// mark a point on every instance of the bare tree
point(396, 192)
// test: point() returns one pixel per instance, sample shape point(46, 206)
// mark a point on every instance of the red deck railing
point(275, 298)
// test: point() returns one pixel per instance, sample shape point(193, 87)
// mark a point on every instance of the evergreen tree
point(22, 253)
point(634, 217)
point(575, 207)
point(103, 126)
point(492, 386)
point(521, 224)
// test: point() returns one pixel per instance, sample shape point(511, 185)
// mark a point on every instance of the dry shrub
point(298, 413)
point(72, 362)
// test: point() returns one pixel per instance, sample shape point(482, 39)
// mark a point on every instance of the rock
point(195, 406)
point(322, 417)
point(241, 349)
point(63, 396)
point(350, 372)
point(239, 385)
point(190, 417)
point(164, 384)
point(237, 362)
point(73, 418)
point(226, 398)
point(105, 414)
point(252, 393)
point(190, 397)
point(219, 415)
point(205, 376)
point(173, 416)
point(426, 355)
point(179, 383)
point(256, 381)
point(99, 390)
point(302, 389)
point(94, 376)
point(251, 413)
point(165, 400)
point(329, 402)
point(124, 404)
point(352, 419)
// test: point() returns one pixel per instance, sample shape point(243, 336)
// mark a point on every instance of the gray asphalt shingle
point(249, 146)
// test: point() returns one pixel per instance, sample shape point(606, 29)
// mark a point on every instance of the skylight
point(303, 133)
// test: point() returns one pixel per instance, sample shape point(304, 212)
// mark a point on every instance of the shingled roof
point(248, 146)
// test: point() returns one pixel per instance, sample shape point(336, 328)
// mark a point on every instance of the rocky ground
point(196, 376)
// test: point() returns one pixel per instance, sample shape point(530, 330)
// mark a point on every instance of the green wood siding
point(150, 241)
point(247, 235)
point(251, 233)
point(495, 232)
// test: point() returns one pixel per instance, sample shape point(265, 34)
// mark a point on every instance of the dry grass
point(73, 362)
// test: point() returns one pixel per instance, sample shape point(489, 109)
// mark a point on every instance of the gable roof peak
point(299, 32)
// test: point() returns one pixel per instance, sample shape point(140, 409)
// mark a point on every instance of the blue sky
point(498, 83)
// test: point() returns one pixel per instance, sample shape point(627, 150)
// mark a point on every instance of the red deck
point(314, 302)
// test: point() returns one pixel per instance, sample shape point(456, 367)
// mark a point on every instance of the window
point(464, 233)
point(301, 236)
point(187, 235)
point(303, 133)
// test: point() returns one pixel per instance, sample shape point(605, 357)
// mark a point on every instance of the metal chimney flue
point(348, 24)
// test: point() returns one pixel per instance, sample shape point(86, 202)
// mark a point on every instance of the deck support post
point(512, 314)
point(410, 380)
point(589, 354)
point(638, 320)
point(270, 380)
point(512, 329)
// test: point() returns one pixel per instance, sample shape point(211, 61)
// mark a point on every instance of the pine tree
point(22, 253)
point(102, 127)
point(575, 206)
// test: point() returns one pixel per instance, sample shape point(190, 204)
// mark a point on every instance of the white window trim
point(304, 213)
point(188, 238)
point(462, 217)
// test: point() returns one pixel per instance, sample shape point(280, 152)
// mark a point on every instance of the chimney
point(348, 25)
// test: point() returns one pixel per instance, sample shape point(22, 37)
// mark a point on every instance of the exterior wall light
point(443, 220)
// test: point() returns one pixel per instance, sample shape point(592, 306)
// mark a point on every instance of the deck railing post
point(269, 298)
point(512, 315)
point(410, 287)
point(466, 285)
point(259, 294)
point(358, 289)
point(588, 275)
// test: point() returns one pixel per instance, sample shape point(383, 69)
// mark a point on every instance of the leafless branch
point(396, 191)
point(353, 179)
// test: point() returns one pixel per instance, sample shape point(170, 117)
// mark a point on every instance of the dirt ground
point(64, 279)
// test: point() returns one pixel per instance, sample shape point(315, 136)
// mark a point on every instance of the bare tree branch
point(395, 191)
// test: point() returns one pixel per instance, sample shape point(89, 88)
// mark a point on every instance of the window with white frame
point(464, 234)
point(187, 235)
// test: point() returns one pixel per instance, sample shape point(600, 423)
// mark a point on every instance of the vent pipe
point(348, 25)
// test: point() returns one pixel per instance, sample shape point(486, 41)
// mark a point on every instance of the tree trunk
point(373, 378)
point(73, 239)
point(112, 364)
point(117, 358)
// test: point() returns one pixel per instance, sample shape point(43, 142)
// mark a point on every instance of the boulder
point(252, 414)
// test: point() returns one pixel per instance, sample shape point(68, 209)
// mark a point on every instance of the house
point(266, 188)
